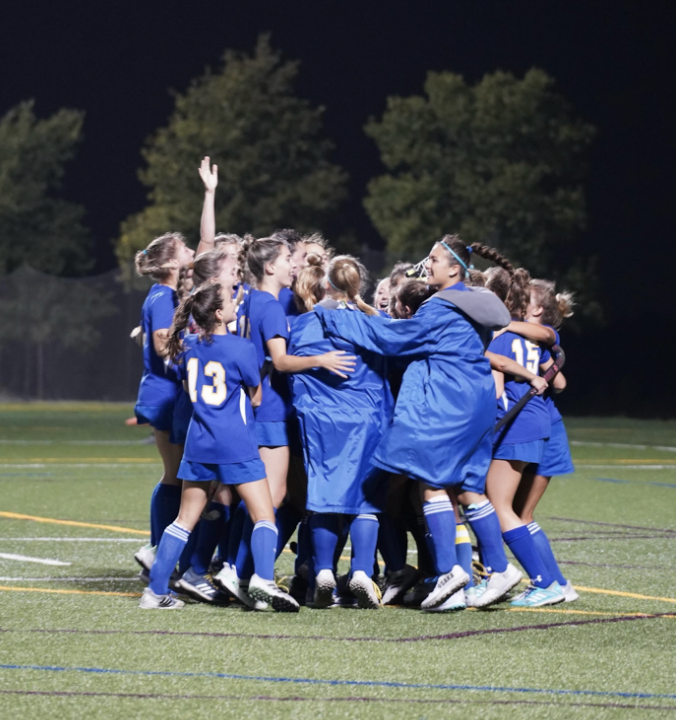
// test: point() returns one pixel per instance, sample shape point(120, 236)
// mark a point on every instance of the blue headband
point(456, 257)
point(333, 286)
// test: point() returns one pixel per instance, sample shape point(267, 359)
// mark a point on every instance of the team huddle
point(282, 402)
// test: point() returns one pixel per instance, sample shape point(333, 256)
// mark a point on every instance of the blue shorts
point(227, 473)
point(530, 452)
point(271, 434)
point(181, 418)
point(159, 417)
point(556, 458)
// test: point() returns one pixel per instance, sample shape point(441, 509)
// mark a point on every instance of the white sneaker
point(447, 584)
point(397, 583)
point(457, 601)
point(145, 557)
point(270, 593)
point(227, 580)
point(325, 584)
point(365, 590)
point(150, 601)
point(499, 584)
point(569, 593)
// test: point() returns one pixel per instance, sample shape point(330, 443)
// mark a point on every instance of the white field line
point(625, 467)
point(32, 466)
point(25, 558)
point(67, 579)
point(5, 441)
point(70, 539)
point(666, 448)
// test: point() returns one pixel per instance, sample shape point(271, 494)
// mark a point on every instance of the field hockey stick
point(552, 371)
point(418, 271)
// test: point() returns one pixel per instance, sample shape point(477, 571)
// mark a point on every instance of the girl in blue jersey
point(342, 420)
point(521, 441)
point(443, 421)
point(546, 311)
point(261, 319)
point(162, 260)
point(220, 372)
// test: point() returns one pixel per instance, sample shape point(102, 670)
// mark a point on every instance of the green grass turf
point(612, 526)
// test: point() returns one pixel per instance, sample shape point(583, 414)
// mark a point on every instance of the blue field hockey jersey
point(342, 420)
point(532, 422)
point(554, 414)
point(221, 430)
point(159, 380)
point(442, 427)
point(260, 318)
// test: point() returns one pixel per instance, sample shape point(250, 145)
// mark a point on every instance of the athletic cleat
point(145, 557)
point(537, 597)
point(343, 597)
point(498, 585)
point(227, 580)
point(397, 583)
point(365, 590)
point(445, 586)
point(419, 592)
point(569, 593)
point(325, 584)
point(200, 587)
point(269, 592)
point(470, 597)
point(150, 601)
point(454, 603)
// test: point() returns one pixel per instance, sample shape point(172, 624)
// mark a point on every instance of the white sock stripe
point(478, 514)
point(266, 524)
point(534, 528)
point(437, 511)
point(367, 516)
point(177, 532)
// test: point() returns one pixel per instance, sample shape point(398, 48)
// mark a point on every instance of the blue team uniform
point(288, 303)
point(442, 428)
point(556, 458)
point(523, 438)
point(342, 421)
point(260, 318)
point(159, 384)
point(221, 443)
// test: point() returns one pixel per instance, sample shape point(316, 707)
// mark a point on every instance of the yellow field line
point(74, 523)
point(619, 593)
point(581, 612)
point(619, 461)
point(4, 588)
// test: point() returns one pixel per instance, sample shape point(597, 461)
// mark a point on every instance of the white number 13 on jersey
point(213, 394)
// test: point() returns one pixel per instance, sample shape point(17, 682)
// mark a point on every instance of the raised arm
point(209, 175)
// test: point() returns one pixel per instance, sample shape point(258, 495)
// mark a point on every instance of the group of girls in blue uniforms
point(278, 355)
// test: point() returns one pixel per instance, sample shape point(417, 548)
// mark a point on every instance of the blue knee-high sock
point(264, 548)
point(486, 526)
point(236, 527)
point(463, 549)
point(545, 552)
point(165, 503)
point(211, 528)
point(184, 560)
point(343, 534)
point(364, 536)
point(423, 546)
point(286, 519)
point(325, 530)
point(244, 562)
point(392, 543)
point(521, 543)
point(440, 520)
point(173, 540)
point(223, 543)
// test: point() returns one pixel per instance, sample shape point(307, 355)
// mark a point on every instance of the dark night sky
point(613, 61)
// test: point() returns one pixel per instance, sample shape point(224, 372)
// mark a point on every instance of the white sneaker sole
point(278, 599)
point(325, 584)
point(361, 586)
point(493, 595)
point(457, 579)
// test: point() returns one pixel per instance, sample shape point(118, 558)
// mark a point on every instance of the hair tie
point(454, 255)
point(145, 252)
point(469, 250)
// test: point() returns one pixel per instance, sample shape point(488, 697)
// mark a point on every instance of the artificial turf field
point(75, 483)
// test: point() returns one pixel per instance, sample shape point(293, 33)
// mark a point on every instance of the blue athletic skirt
point(160, 417)
point(227, 473)
point(556, 459)
point(271, 434)
point(181, 418)
point(530, 452)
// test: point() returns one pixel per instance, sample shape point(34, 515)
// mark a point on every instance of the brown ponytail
point(156, 258)
point(256, 254)
point(345, 275)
